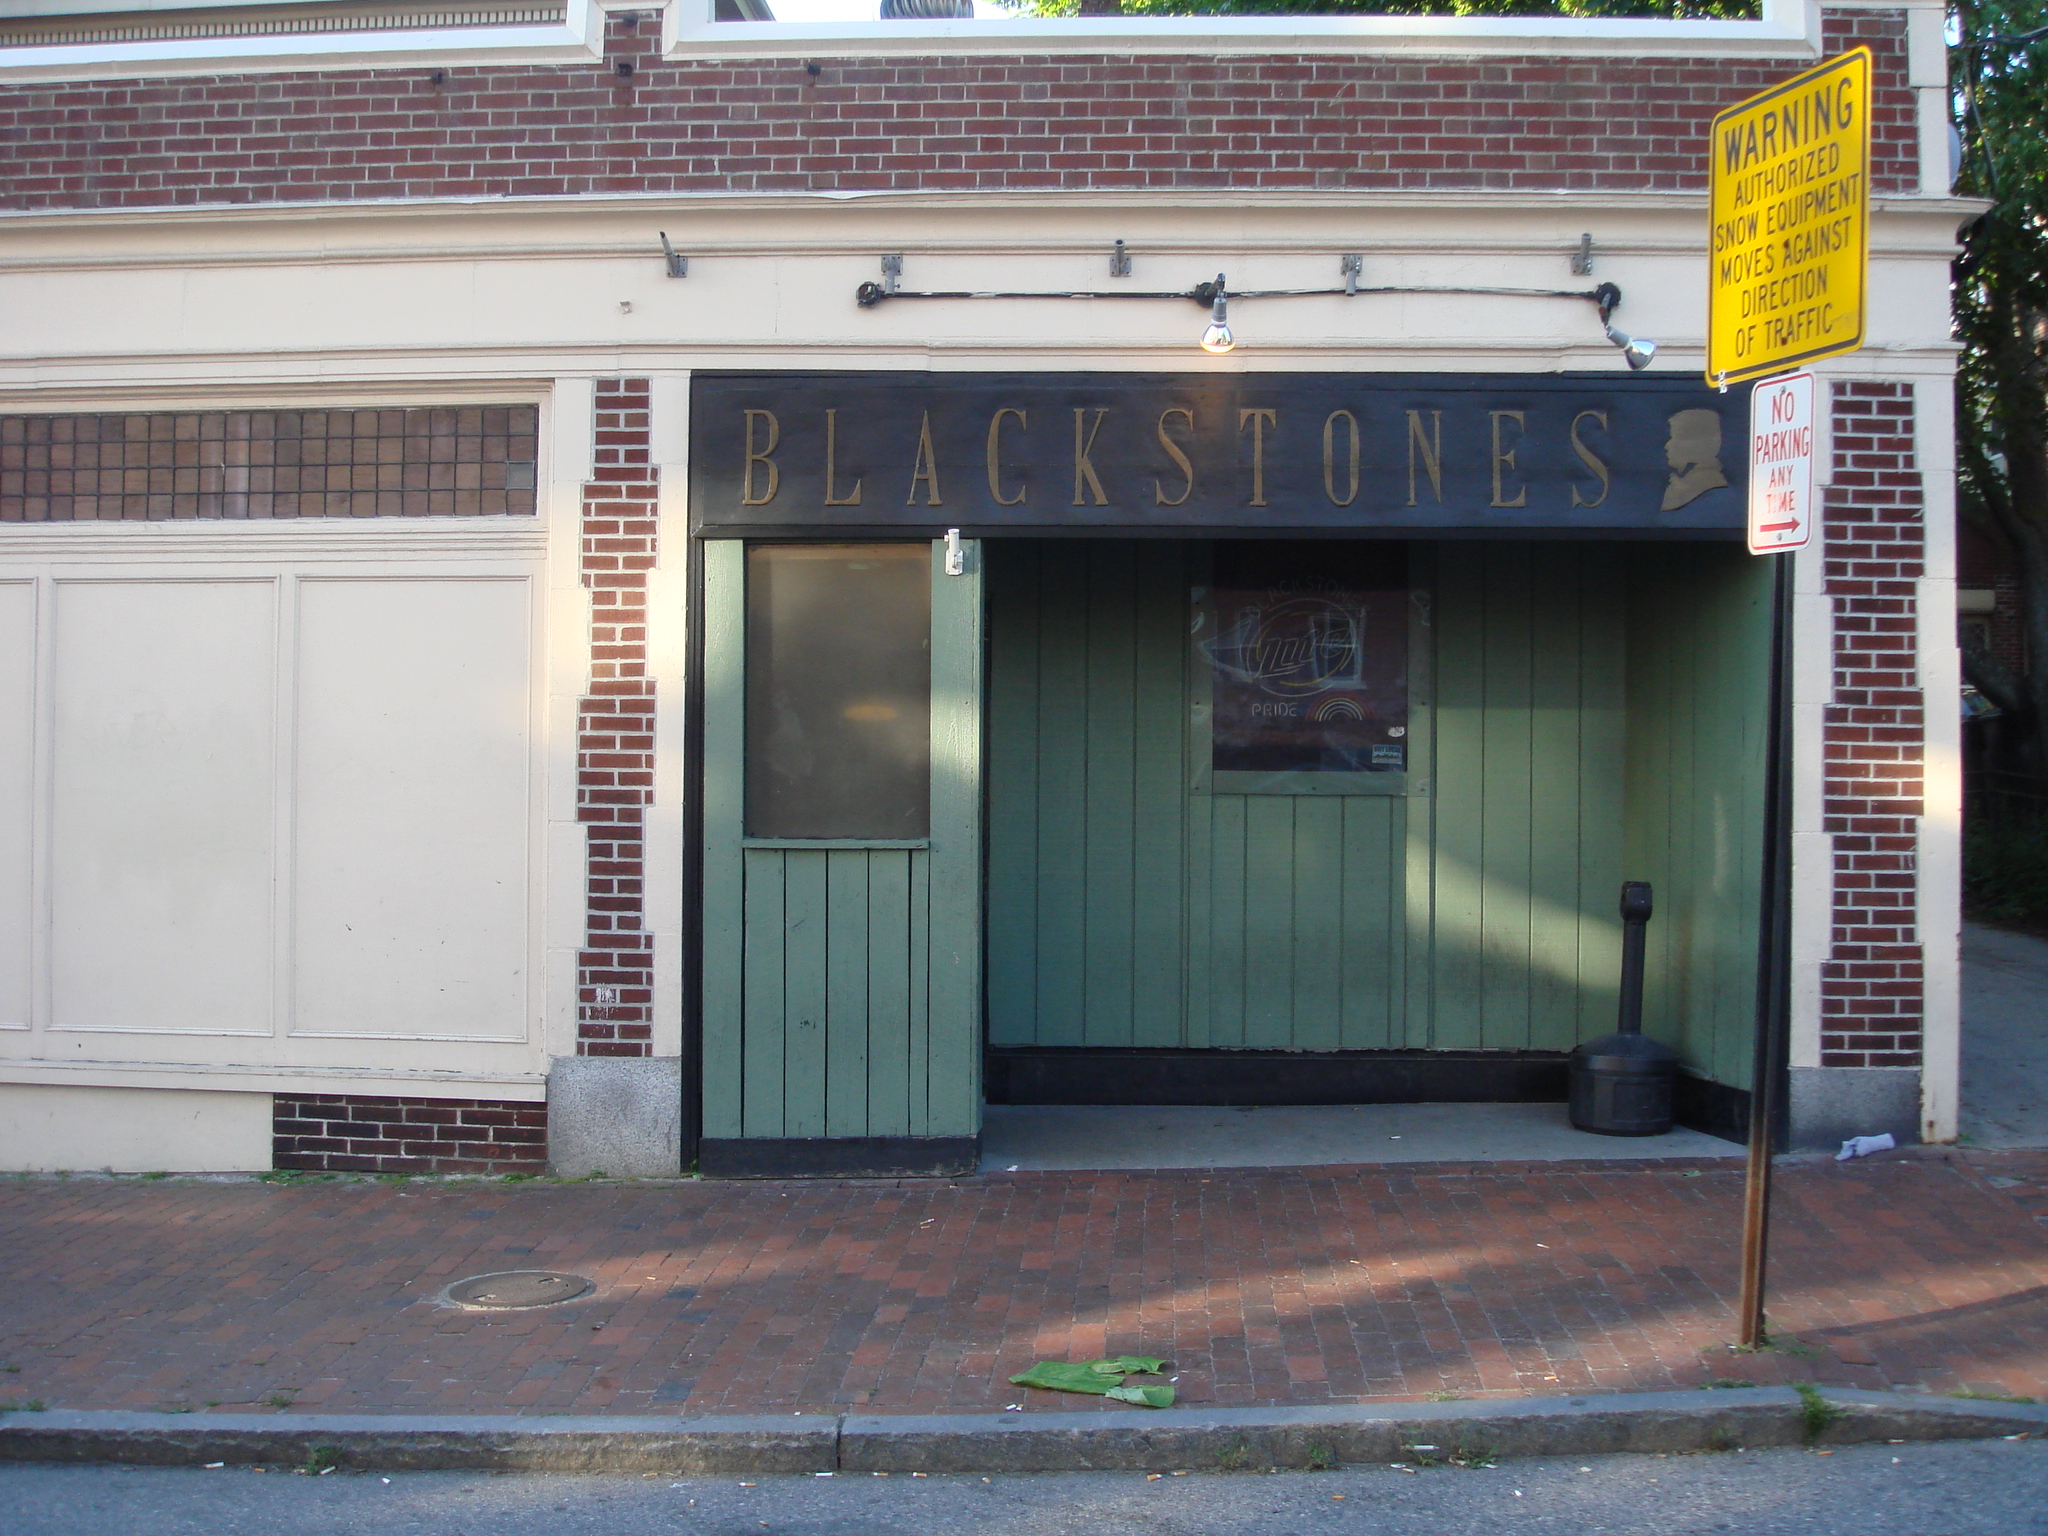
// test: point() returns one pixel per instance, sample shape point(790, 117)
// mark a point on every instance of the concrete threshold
point(1170, 1440)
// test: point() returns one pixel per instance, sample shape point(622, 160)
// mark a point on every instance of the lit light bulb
point(1636, 351)
point(1216, 335)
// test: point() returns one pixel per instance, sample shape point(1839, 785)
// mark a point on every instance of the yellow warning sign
point(1789, 195)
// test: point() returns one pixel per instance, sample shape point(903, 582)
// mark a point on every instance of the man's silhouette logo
point(1693, 451)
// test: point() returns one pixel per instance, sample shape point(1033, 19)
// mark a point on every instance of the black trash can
point(1624, 1084)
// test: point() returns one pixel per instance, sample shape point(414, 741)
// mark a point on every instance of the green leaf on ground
point(1058, 1376)
point(1124, 1365)
point(1145, 1397)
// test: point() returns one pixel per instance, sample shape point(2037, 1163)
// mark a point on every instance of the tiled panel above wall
point(441, 461)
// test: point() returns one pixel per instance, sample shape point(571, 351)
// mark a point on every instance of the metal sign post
point(1773, 978)
point(1782, 514)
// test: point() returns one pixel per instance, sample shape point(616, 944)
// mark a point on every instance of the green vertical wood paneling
point(954, 1018)
point(1269, 922)
point(1109, 896)
point(1601, 782)
point(1229, 921)
point(847, 1020)
point(806, 991)
point(891, 1015)
point(1698, 654)
point(1159, 772)
point(1322, 929)
point(762, 1021)
point(1585, 714)
point(1372, 940)
point(724, 898)
point(1507, 777)
point(1556, 665)
point(1013, 878)
point(1062, 785)
point(1476, 912)
point(1698, 668)
point(1460, 846)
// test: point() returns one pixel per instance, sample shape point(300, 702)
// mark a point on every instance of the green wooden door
point(842, 974)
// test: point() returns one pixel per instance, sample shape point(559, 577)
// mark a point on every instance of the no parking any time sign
point(1781, 509)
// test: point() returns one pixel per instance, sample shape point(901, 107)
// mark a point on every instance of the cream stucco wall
point(132, 1130)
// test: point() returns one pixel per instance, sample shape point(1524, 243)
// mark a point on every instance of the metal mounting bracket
point(1352, 266)
point(1119, 261)
point(678, 266)
point(892, 273)
point(1582, 258)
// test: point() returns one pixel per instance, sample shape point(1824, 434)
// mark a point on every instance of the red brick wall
point(1279, 122)
point(362, 1133)
point(1870, 985)
point(615, 729)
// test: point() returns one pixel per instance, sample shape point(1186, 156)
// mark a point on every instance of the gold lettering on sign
point(1506, 460)
point(1330, 458)
point(832, 498)
point(1084, 471)
point(1590, 459)
point(1173, 451)
point(761, 456)
point(1258, 420)
point(995, 451)
point(1432, 453)
point(926, 469)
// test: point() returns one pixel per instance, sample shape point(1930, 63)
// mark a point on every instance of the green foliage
point(1999, 71)
point(321, 1458)
point(2005, 872)
point(1321, 1458)
point(1816, 1413)
point(1235, 1457)
point(1670, 9)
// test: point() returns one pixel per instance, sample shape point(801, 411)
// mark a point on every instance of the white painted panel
point(132, 1130)
point(411, 883)
point(161, 822)
point(17, 788)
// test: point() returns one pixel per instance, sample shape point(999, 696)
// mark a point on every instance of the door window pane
point(1308, 659)
point(839, 690)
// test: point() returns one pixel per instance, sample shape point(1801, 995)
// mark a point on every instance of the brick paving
point(1272, 1286)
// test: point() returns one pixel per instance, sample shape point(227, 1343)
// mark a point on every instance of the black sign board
point(1221, 453)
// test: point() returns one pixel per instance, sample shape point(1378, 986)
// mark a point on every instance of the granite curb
point(1137, 1440)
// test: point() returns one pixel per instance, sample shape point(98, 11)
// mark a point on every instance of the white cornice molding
point(419, 1082)
point(578, 39)
point(1786, 29)
point(519, 540)
point(435, 230)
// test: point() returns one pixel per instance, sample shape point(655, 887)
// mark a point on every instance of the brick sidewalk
point(1265, 1286)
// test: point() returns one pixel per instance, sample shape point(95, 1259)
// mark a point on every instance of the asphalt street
point(1952, 1489)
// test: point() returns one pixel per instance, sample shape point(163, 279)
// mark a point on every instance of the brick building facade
point(220, 249)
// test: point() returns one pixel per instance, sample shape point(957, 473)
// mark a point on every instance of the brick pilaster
point(615, 730)
point(1871, 983)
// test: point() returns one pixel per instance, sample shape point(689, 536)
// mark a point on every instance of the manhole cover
point(518, 1288)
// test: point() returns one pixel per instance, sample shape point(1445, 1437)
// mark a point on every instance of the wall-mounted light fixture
point(1635, 351)
point(1217, 335)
